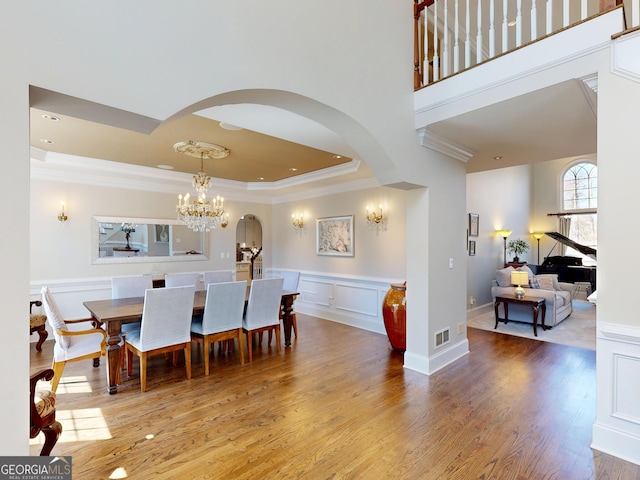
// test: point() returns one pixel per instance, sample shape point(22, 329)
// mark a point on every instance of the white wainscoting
point(351, 300)
point(617, 427)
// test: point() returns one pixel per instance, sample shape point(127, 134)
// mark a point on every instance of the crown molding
point(440, 144)
point(58, 167)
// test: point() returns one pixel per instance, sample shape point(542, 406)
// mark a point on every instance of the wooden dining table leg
point(114, 338)
point(287, 308)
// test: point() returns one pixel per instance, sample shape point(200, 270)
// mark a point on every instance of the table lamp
point(519, 278)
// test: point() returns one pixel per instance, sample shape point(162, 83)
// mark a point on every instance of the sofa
point(558, 295)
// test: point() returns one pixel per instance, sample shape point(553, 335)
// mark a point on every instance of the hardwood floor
point(339, 404)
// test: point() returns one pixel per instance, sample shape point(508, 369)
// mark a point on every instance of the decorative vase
point(395, 316)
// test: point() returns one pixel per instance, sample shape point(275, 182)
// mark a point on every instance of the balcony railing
point(470, 32)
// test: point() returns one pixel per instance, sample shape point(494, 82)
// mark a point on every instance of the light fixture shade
point(537, 235)
point(519, 278)
point(504, 233)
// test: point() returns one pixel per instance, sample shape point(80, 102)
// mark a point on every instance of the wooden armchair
point(43, 412)
point(37, 323)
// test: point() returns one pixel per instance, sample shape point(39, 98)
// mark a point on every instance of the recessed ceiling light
point(51, 117)
point(165, 167)
point(337, 157)
point(497, 157)
point(44, 140)
point(228, 126)
point(260, 178)
point(293, 169)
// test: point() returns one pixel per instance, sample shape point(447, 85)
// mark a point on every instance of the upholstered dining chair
point(291, 284)
point(42, 404)
point(165, 327)
point(217, 276)
point(222, 317)
point(129, 286)
point(75, 339)
point(182, 279)
point(38, 323)
point(263, 310)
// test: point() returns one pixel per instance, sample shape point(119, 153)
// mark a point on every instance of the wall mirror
point(136, 240)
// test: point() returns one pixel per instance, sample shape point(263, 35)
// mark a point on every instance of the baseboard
point(616, 443)
point(427, 366)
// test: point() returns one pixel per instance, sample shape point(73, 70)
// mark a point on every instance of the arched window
point(580, 194)
point(580, 187)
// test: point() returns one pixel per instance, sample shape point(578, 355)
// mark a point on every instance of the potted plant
point(517, 247)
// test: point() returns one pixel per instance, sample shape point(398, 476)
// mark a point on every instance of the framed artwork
point(474, 220)
point(472, 248)
point(161, 234)
point(334, 236)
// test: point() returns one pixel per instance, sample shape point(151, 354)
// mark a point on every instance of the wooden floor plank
point(339, 404)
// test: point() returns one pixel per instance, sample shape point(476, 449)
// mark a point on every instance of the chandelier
point(201, 215)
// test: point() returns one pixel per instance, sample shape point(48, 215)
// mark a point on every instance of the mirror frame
point(96, 259)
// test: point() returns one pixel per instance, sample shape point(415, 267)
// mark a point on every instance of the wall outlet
point(472, 300)
point(460, 328)
point(451, 263)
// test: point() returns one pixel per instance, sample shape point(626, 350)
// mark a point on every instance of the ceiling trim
point(440, 144)
point(58, 167)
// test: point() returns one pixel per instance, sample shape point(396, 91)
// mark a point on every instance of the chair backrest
point(166, 317)
point(130, 286)
point(54, 317)
point(263, 308)
point(182, 279)
point(217, 276)
point(291, 281)
point(224, 306)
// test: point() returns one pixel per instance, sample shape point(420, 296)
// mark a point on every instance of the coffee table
point(536, 303)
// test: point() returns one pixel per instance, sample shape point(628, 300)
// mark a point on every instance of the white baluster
point(467, 40)
point(436, 58)
point(635, 13)
point(565, 13)
point(456, 46)
point(479, 35)
point(583, 10)
point(505, 27)
point(425, 63)
point(445, 41)
point(534, 20)
point(549, 21)
point(519, 23)
point(492, 31)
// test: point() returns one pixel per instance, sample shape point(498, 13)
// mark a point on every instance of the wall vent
point(442, 337)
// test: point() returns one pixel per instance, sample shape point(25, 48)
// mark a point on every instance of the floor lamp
point(538, 236)
point(504, 234)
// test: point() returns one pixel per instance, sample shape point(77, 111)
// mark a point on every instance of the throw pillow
point(553, 277)
point(534, 283)
point(546, 283)
point(503, 277)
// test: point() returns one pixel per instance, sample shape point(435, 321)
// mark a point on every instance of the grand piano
point(568, 268)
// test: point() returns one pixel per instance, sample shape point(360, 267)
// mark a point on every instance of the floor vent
point(442, 337)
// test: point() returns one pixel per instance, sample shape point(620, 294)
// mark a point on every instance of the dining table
point(113, 313)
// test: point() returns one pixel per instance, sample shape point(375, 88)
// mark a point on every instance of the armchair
point(43, 412)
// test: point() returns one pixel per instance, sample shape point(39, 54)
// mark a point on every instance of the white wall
point(502, 198)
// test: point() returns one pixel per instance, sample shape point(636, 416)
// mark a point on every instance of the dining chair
point(75, 340)
point(165, 327)
point(217, 276)
point(263, 310)
point(222, 317)
point(182, 279)
point(129, 286)
point(291, 284)
point(42, 408)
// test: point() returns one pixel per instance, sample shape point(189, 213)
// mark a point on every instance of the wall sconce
point(538, 236)
point(298, 222)
point(62, 217)
point(224, 221)
point(504, 234)
point(376, 221)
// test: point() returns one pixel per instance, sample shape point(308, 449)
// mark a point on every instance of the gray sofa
point(558, 296)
